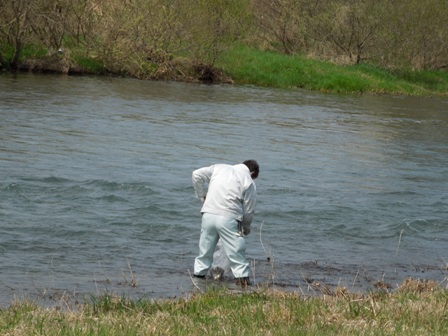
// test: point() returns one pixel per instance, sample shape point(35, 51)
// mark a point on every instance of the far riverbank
point(242, 65)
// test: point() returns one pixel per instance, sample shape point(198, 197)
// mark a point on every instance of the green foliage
point(251, 66)
point(33, 51)
point(89, 64)
point(432, 80)
point(345, 83)
point(7, 52)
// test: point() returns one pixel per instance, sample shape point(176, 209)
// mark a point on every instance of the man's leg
point(234, 245)
point(207, 243)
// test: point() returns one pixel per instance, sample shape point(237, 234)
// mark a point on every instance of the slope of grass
point(251, 66)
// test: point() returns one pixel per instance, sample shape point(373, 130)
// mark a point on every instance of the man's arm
point(250, 200)
point(200, 177)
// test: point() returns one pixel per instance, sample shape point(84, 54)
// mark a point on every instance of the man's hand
point(203, 199)
point(246, 231)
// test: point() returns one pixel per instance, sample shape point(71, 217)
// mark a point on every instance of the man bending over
point(227, 212)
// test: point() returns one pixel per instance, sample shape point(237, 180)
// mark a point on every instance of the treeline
point(180, 39)
point(388, 33)
point(143, 38)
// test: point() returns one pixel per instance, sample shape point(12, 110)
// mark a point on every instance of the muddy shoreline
point(170, 70)
point(309, 279)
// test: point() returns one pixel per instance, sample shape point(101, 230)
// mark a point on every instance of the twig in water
point(106, 278)
point(253, 269)
point(445, 266)
point(64, 301)
point(96, 284)
point(399, 241)
point(194, 283)
point(308, 283)
point(52, 267)
point(356, 277)
point(124, 276)
point(268, 255)
point(133, 282)
point(441, 282)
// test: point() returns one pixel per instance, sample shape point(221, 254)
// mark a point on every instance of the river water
point(96, 194)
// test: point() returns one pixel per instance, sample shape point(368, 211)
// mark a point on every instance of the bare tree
point(281, 24)
point(210, 25)
point(351, 27)
point(16, 27)
point(416, 34)
point(50, 22)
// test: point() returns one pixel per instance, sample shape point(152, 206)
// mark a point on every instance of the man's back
point(231, 190)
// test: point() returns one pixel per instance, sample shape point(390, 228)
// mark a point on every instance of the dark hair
point(253, 168)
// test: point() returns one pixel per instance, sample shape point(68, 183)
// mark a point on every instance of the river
point(96, 194)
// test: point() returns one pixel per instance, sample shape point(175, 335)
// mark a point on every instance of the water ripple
point(98, 177)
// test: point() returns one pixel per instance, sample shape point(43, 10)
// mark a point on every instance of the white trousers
point(215, 227)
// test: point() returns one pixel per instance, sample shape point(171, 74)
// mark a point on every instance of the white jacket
point(231, 191)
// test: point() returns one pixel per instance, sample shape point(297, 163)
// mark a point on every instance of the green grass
point(416, 308)
point(28, 51)
point(89, 64)
point(261, 68)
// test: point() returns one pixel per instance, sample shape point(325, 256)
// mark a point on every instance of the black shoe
point(243, 282)
point(199, 276)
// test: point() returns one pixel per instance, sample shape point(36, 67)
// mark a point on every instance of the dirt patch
point(208, 74)
point(51, 64)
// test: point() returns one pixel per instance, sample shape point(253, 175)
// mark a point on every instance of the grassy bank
point(250, 66)
point(416, 308)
